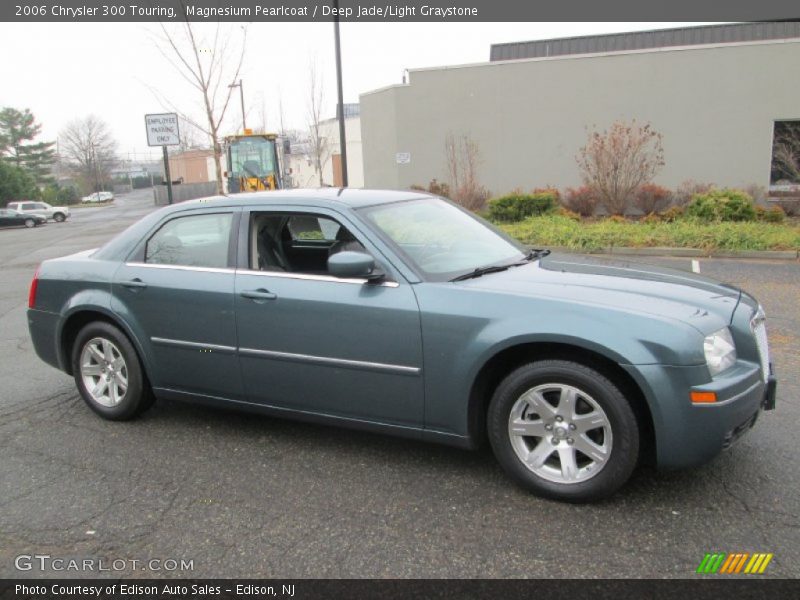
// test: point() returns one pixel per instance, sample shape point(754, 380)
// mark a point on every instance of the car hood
point(624, 285)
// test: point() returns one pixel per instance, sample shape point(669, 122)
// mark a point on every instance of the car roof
point(353, 198)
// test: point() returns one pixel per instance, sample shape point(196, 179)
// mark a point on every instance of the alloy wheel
point(104, 371)
point(560, 433)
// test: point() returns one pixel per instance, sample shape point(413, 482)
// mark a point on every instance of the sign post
point(162, 130)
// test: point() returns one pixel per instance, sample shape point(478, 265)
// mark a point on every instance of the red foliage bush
point(582, 200)
point(651, 198)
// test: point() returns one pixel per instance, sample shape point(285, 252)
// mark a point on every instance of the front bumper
point(690, 434)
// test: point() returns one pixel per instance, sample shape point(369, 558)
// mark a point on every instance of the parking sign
point(162, 129)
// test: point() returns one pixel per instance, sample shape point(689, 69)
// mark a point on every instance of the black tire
point(59, 217)
point(138, 396)
point(624, 452)
point(30, 223)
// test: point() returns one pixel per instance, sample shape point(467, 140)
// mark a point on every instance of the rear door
point(41, 209)
point(176, 291)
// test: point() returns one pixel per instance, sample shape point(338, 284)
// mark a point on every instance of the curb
point(687, 252)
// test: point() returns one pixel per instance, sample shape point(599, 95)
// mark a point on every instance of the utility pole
point(96, 170)
point(342, 138)
point(241, 97)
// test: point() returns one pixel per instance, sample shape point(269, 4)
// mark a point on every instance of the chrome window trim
point(332, 362)
point(279, 274)
point(309, 277)
point(193, 345)
point(181, 267)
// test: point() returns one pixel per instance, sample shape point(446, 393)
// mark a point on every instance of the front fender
point(462, 332)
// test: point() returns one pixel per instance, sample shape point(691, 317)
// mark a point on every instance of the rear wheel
point(108, 373)
point(59, 218)
point(563, 430)
point(30, 223)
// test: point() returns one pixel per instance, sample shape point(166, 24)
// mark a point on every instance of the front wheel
point(563, 431)
point(29, 223)
point(108, 373)
point(59, 218)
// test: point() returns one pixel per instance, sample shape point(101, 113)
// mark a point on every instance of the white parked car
point(57, 213)
point(98, 197)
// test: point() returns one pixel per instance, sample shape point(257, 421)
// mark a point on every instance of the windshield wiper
point(533, 254)
point(481, 271)
point(536, 253)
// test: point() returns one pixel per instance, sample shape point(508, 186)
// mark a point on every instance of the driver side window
point(297, 242)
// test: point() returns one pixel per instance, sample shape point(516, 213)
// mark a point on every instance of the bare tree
point(463, 157)
point(786, 150)
point(209, 65)
point(319, 145)
point(617, 161)
point(189, 135)
point(89, 150)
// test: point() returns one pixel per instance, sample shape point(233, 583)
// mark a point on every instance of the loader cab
point(252, 163)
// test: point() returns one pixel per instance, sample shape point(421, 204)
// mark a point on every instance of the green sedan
point(401, 313)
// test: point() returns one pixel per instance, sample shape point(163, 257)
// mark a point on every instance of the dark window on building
point(785, 153)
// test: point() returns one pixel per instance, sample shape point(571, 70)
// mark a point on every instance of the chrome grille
point(758, 324)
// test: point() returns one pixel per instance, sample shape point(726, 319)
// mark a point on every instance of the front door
point(314, 343)
point(177, 295)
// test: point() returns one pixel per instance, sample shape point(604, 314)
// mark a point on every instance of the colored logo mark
point(734, 563)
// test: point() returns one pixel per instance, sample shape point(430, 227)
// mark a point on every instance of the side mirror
point(353, 265)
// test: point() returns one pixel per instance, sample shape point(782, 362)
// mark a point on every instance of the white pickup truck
point(59, 214)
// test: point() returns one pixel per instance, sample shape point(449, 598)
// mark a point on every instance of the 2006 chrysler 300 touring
point(400, 312)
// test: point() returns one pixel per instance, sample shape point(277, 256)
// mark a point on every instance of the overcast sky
point(66, 70)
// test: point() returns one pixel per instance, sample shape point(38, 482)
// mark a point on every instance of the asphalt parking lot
point(247, 496)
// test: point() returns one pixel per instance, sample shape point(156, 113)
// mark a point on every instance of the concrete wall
point(715, 107)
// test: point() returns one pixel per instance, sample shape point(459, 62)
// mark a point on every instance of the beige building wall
point(304, 173)
point(715, 107)
point(194, 166)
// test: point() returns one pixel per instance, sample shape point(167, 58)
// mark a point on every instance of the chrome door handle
point(134, 283)
point(259, 294)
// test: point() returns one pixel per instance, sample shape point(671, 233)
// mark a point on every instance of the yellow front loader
point(252, 162)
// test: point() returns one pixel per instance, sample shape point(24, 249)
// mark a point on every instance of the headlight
point(720, 351)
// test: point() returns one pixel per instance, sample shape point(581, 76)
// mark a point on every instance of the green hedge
point(722, 205)
point(519, 206)
point(557, 230)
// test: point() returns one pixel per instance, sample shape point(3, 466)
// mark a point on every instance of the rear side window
point(194, 241)
point(310, 227)
point(28, 206)
point(13, 206)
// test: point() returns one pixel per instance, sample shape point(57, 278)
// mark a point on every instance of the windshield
point(252, 157)
point(442, 240)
